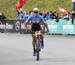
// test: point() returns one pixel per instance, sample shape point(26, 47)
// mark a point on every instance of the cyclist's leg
point(33, 39)
point(33, 43)
point(42, 41)
point(42, 37)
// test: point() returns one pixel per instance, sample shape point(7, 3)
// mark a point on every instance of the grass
point(8, 6)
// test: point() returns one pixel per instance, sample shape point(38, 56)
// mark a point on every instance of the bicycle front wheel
point(38, 49)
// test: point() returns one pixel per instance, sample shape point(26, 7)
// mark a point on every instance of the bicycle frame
point(38, 43)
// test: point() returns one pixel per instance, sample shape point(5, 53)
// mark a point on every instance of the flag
point(62, 10)
point(20, 4)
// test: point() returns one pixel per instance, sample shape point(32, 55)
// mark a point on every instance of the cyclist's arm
point(28, 20)
point(45, 24)
point(46, 27)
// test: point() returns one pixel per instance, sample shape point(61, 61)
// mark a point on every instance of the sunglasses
point(35, 11)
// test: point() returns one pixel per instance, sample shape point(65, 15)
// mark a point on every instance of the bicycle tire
point(37, 54)
point(38, 50)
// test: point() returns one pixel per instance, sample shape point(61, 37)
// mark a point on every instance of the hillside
point(8, 6)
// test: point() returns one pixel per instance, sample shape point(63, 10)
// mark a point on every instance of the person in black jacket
point(2, 17)
point(73, 17)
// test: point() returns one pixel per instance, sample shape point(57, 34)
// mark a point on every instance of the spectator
point(73, 17)
point(73, 4)
point(57, 17)
point(41, 14)
point(30, 12)
point(73, 13)
point(21, 14)
point(53, 16)
point(66, 16)
point(47, 15)
point(2, 16)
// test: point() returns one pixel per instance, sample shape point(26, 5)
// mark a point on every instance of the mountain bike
point(38, 44)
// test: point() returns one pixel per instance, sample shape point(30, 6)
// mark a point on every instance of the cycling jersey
point(35, 19)
point(35, 27)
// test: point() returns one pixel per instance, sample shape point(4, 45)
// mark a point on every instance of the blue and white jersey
point(48, 16)
point(35, 19)
point(23, 16)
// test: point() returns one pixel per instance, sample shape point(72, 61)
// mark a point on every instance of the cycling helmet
point(35, 10)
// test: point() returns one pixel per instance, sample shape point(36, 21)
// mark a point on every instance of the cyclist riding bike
point(35, 19)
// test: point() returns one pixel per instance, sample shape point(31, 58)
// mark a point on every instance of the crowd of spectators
point(48, 15)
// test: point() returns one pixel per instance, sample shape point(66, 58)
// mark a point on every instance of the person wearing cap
point(35, 19)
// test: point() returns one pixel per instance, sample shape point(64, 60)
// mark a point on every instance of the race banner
point(62, 27)
point(14, 26)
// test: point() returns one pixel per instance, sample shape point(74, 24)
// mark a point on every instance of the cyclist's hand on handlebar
point(47, 30)
point(41, 31)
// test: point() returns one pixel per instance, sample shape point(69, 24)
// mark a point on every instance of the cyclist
point(35, 19)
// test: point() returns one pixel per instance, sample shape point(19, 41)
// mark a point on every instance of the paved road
point(16, 49)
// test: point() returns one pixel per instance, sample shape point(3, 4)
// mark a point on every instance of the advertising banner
point(62, 27)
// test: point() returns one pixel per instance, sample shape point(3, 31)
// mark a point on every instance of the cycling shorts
point(35, 27)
